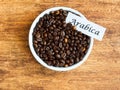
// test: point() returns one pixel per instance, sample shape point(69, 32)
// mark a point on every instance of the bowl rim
point(30, 40)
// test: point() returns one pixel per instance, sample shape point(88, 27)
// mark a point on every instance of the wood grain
point(20, 71)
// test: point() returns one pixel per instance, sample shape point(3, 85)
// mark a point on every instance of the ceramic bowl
point(35, 54)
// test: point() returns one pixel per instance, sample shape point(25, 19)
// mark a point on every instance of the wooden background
point(20, 71)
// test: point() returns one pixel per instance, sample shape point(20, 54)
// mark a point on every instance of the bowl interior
point(38, 58)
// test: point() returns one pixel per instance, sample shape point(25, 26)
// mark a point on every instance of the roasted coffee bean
point(74, 28)
point(67, 61)
point(62, 63)
point(64, 25)
point(39, 39)
point(65, 13)
point(47, 48)
point(56, 63)
point(77, 60)
point(63, 55)
point(49, 62)
point(67, 47)
point(62, 33)
point(77, 41)
point(45, 43)
point(58, 43)
point(37, 35)
point(56, 51)
point(35, 45)
point(57, 12)
point(66, 65)
point(83, 49)
point(63, 49)
point(73, 52)
point(66, 40)
point(55, 33)
point(35, 41)
point(45, 34)
point(71, 60)
point(51, 28)
point(75, 48)
point(68, 52)
point(58, 56)
point(70, 64)
point(61, 52)
point(71, 48)
point(56, 37)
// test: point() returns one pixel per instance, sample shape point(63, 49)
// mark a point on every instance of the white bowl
point(38, 58)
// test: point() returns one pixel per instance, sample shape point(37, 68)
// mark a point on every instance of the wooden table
point(20, 71)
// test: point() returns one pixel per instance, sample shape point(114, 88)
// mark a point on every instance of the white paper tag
point(89, 28)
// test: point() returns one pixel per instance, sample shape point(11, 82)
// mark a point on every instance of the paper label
point(89, 28)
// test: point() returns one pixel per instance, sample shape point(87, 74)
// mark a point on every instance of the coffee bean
point(62, 63)
point(57, 12)
point(58, 43)
point(63, 48)
point(47, 48)
point(45, 34)
point(35, 41)
point(77, 41)
point(66, 46)
point(49, 62)
point(77, 60)
point(73, 52)
point(75, 48)
point(56, 63)
point(71, 49)
point(77, 38)
point(63, 55)
point(66, 40)
point(62, 33)
point(56, 51)
point(65, 13)
point(71, 60)
point(68, 52)
point(74, 28)
point(57, 37)
point(57, 56)
point(66, 65)
point(52, 13)
point(55, 33)
point(83, 49)
point(54, 26)
point(35, 45)
point(44, 43)
point(64, 25)
point(88, 41)
point(51, 28)
point(70, 64)
point(67, 61)
point(37, 35)
point(40, 44)
point(53, 62)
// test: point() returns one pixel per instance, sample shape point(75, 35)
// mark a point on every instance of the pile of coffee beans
point(58, 43)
